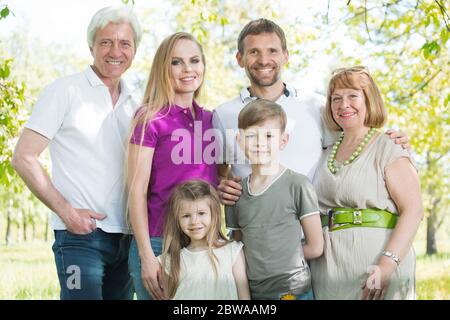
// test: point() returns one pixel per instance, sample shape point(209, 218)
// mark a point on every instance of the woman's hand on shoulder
point(400, 138)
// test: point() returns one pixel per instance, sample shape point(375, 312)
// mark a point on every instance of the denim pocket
point(89, 235)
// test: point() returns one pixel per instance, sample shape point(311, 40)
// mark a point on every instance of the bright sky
point(59, 21)
point(64, 22)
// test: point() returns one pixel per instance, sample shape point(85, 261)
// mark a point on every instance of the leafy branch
point(444, 14)
point(420, 87)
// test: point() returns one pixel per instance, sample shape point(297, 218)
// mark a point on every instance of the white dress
point(350, 253)
point(198, 280)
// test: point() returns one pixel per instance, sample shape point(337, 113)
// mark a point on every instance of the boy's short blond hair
point(260, 110)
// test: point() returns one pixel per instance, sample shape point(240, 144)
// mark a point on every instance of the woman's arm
point(312, 227)
point(403, 185)
point(240, 277)
point(139, 171)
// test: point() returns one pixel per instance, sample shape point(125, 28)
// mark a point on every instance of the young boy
point(276, 203)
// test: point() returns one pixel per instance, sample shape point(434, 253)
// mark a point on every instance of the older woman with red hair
point(369, 191)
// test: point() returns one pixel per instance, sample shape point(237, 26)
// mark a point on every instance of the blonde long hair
point(174, 237)
point(159, 93)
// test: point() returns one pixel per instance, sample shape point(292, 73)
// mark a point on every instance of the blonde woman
point(370, 191)
point(199, 263)
point(158, 159)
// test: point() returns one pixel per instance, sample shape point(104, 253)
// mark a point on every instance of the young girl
point(164, 151)
point(198, 262)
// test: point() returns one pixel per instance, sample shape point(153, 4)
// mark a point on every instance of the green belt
point(351, 218)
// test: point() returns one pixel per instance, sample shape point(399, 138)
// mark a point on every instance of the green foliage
point(12, 117)
point(17, 203)
point(430, 50)
point(4, 11)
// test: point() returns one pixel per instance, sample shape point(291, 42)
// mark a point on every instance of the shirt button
point(185, 111)
point(190, 124)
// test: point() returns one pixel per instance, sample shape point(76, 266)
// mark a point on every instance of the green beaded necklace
point(332, 160)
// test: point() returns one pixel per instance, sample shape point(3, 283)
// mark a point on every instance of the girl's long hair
point(174, 237)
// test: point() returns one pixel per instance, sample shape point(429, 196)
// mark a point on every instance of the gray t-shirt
point(271, 231)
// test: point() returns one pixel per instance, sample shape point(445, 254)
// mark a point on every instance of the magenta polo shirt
point(182, 152)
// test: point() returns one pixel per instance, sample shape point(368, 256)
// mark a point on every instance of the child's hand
point(151, 278)
point(229, 191)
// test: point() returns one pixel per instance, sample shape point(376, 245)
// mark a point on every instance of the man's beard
point(267, 82)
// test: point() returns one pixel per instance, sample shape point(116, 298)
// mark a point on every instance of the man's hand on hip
point(82, 221)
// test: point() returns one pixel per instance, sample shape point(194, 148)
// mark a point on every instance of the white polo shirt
point(88, 139)
point(307, 132)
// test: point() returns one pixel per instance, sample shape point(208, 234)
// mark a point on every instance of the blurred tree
point(12, 116)
point(17, 201)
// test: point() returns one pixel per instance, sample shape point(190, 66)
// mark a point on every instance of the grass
point(432, 273)
point(27, 271)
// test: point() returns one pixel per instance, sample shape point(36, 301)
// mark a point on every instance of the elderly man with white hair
point(84, 119)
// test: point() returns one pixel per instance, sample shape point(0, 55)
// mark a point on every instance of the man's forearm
point(37, 180)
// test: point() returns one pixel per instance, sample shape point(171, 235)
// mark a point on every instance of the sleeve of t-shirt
point(236, 247)
point(307, 204)
point(390, 151)
point(145, 135)
point(50, 110)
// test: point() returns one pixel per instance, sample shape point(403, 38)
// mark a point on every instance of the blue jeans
point(305, 296)
point(134, 266)
point(93, 266)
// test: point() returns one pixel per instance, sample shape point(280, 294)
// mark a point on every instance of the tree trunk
point(33, 226)
point(46, 226)
point(18, 223)
point(431, 235)
point(24, 225)
point(8, 226)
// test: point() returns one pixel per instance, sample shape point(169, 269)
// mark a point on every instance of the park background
point(404, 43)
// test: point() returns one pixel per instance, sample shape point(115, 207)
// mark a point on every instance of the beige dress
point(350, 253)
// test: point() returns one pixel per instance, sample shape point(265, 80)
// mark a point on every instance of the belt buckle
point(357, 217)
